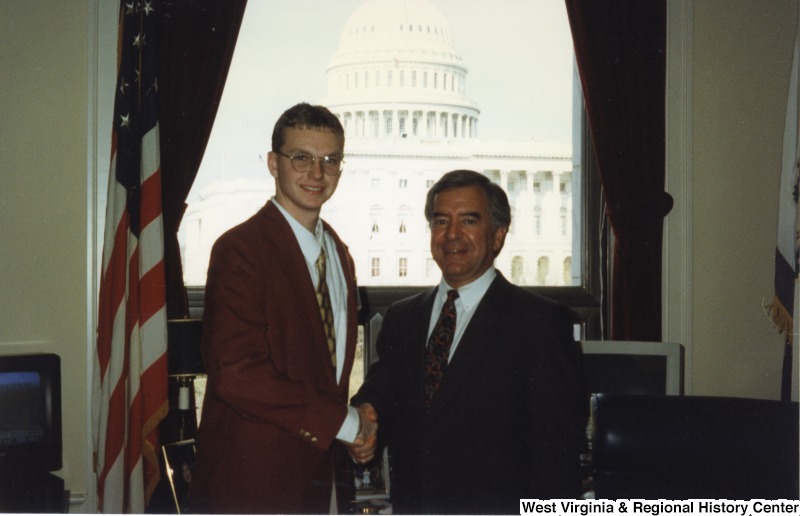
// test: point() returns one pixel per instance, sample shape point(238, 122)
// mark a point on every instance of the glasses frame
point(314, 159)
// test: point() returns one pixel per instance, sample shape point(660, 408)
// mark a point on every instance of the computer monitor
point(633, 367)
point(30, 413)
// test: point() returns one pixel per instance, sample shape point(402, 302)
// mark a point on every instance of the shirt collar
point(310, 243)
point(471, 293)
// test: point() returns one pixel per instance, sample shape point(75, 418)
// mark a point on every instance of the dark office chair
point(682, 447)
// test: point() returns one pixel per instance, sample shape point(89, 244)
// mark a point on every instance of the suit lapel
point(418, 341)
point(293, 265)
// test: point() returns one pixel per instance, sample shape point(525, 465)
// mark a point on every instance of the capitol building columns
point(413, 122)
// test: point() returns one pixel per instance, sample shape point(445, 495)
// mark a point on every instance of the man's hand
point(362, 450)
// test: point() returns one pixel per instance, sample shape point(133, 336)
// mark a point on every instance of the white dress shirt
point(469, 297)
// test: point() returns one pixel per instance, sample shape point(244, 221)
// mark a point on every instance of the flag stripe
point(150, 154)
point(150, 249)
point(112, 292)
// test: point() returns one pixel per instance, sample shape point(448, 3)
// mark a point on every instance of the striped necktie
point(325, 309)
point(438, 349)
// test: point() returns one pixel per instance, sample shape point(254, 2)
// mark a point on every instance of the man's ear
point(272, 163)
point(499, 239)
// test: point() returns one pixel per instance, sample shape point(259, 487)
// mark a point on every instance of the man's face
point(302, 194)
point(463, 242)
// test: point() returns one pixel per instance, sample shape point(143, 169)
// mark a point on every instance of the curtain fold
point(197, 39)
point(620, 49)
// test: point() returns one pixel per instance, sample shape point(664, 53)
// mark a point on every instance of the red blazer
point(266, 442)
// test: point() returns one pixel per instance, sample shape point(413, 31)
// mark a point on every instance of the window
point(567, 270)
point(246, 116)
point(543, 270)
point(402, 267)
point(376, 126)
point(517, 269)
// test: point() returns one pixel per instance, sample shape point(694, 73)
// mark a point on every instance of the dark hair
point(305, 116)
point(499, 209)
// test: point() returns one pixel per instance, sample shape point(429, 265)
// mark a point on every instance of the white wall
point(43, 199)
point(727, 102)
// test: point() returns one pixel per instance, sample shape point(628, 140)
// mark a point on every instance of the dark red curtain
point(196, 41)
point(620, 48)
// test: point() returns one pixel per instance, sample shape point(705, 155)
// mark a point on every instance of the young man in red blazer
point(275, 417)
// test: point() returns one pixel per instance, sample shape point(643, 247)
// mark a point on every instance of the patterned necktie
point(439, 346)
point(325, 310)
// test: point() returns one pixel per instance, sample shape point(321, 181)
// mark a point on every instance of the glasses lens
point(331, 164)
point(302, 162)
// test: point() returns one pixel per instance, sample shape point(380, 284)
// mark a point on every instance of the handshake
point(362, 449)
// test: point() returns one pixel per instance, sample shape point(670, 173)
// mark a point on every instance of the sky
point(518, 53)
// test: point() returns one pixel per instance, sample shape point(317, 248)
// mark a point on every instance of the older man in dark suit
point(477, 387)
point(279, 337)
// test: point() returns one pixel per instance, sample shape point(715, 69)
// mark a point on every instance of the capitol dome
point(396, 73)
point(392, 29)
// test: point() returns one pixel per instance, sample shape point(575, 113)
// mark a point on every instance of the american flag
point(130, 376)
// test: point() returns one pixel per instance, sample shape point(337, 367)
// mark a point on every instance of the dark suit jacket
point(266, 441)
point(508, 419)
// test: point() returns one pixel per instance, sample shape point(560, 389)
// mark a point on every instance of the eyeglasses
point(302, 161)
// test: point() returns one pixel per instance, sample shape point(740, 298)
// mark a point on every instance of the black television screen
point(30, 412)
point(631, 367)
point(626, 374)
